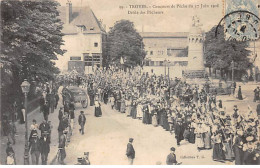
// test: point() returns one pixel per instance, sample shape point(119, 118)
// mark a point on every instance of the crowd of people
point(192, 112)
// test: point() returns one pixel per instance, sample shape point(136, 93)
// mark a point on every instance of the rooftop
point(80, 16)
point(164, 34)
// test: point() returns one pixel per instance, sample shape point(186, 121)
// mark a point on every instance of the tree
point(31, 39)
point(219, 53)
point(124, 41)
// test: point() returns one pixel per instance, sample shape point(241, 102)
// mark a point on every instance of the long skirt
point(161, 119)
point(186, 134)
point(91, 97)
point(228, 151)
point(200, 141)
point(218, 153)
point(123, 107)
point(133, 112)
point(118, 105)
point(154, 120)
point(166, 125)
point(139, 113)
point(192, 136)
point(98, 111)
point(238, 155)
point(128, 110)
point(145, 117)
point(207, 140)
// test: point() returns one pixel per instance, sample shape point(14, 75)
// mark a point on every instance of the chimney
point(68, 12)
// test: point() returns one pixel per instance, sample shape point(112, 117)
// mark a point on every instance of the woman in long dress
point(128, 107)
point(238, 148)
point(207, 136)
point(134, 109)
point(139, 113)
point(98, 111)
point(199, 136)
point(192, 133)
point(218, 153)
point(123, 105)
point(239, 94)
point(154, 118)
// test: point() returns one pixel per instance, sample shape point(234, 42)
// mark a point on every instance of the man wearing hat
point(46, 110)
point(44, 126)
point(62, 144)
point(130, 152)
point(60, 113)
point(45, 147)
point(34, 147)
point(82, 121)
point(179, 130)
point(171, 158)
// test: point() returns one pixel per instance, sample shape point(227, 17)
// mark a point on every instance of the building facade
point(179, 53)
point(84, 39)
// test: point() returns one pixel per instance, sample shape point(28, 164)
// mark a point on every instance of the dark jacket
point(34, 145)
point(46, 109)
point(62, 125)
point(171, 159)
point(60, 115)
point(130, 152)
point(45, 145)
point(82, 119)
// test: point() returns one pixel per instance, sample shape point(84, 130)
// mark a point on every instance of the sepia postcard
point(130, 82)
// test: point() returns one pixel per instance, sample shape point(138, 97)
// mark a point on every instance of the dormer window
point(92, 28)
point(81, 28)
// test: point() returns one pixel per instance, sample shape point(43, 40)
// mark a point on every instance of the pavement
point(20, 139)
point(106, 137)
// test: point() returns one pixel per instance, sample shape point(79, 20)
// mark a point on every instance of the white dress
point(139, 113)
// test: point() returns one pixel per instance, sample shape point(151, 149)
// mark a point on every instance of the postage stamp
point(241, 20)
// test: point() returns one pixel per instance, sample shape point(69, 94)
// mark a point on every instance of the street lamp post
point(25, 89)
point(169, 71)
point(165, 62)
point(232, 68)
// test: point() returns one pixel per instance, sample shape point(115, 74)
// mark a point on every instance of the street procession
point(77, 92)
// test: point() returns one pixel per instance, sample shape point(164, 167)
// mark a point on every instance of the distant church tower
point(195, 51)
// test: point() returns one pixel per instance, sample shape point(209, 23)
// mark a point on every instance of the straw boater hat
point(250, 138)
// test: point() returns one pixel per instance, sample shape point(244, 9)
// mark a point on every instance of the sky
point(172, 20)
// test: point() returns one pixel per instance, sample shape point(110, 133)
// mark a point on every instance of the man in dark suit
point(179, 130)
point(171, 158)
point(44, 126)
point(46, 110)
point(34, 147)
point(82, 121)
point(61, 147)
point(130, 152)
point(45, 147)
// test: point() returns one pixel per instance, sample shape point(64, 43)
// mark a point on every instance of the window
point(95, 44)
point(151, 52)
point(92, 28)
point(152, 63)
point(147, 63)
point(75, 58)
point(161, 63)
